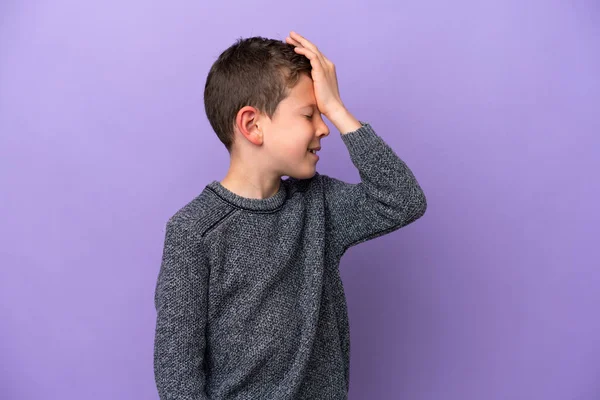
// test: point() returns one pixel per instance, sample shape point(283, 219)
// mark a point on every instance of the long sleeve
point(387, 198)
point(181, 302)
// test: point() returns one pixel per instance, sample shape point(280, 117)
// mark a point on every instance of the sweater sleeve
point(181, 302)
point(387, 198)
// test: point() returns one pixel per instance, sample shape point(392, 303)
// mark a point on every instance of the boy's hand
point(323, 74)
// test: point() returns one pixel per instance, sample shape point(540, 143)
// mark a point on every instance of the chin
point(303, 175)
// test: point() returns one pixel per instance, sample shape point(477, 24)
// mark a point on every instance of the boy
point(249, 300)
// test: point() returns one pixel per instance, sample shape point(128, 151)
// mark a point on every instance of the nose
point(322, 128)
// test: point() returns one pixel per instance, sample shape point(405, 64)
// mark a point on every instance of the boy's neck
point(246, 185)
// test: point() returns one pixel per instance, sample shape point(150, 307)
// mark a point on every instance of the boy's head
point(259, 99)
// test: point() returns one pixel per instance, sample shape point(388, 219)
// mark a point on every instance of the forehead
point(302, 95)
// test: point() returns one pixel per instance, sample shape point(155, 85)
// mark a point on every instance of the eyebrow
point(313, 105)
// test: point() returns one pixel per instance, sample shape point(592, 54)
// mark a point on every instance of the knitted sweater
point(249, 300)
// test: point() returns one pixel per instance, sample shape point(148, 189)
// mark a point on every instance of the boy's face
point(296, 126)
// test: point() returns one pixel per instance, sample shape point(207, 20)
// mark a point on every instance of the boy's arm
point(181, 303)
point(387, 198)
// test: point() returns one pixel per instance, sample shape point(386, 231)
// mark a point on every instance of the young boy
point(249, 300)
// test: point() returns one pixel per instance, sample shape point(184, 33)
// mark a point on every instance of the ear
point(247, 122)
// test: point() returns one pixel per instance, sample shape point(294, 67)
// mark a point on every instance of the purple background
point(493, 294)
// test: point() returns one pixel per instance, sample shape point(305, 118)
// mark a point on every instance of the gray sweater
point(249, 300)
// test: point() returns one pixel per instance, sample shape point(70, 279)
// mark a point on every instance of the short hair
point(255, 71)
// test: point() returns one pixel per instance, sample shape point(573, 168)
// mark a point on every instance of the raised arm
point(387, 198)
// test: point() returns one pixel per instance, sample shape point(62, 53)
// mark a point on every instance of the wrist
point(343, 120)
point(336, 112)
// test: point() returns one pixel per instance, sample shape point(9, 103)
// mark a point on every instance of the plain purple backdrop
point(494, 294)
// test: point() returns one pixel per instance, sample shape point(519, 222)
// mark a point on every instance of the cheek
point(293, 151)
point(293, 145)
point(290, 141)
point(283, 151)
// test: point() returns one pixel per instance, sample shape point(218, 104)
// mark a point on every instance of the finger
point(292, 41)
point(305, 42)
point(315, 62)
point(308, 44)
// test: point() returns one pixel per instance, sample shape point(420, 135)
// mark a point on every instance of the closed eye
point(309, 116)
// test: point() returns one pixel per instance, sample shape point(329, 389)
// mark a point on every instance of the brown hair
point(257, 72)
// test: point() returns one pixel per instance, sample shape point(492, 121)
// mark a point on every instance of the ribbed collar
point(267, 204)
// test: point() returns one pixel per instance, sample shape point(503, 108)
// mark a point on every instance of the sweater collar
point(267, 204)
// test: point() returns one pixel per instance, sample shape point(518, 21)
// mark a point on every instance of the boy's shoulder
point(200, 213)
point(207, 209)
